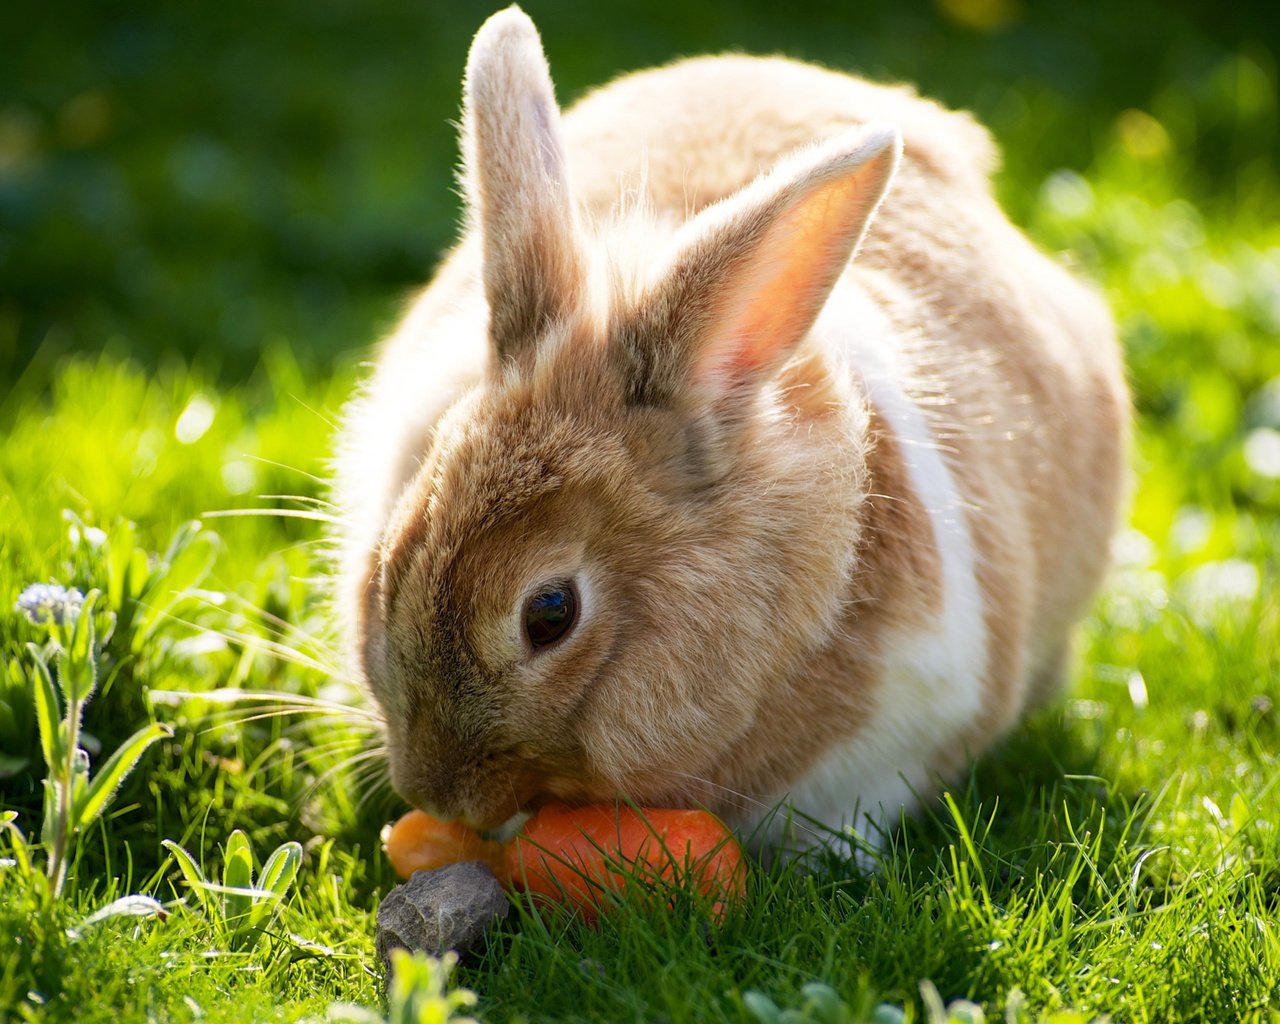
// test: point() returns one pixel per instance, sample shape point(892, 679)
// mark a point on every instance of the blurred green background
point(212, 178)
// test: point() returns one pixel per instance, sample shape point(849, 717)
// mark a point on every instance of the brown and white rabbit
point(658, 492)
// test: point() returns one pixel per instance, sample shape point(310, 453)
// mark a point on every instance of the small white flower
point(49, 602)
point(1214, 587)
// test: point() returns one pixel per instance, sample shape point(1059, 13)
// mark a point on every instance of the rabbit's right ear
point(516, 183)
point(751, 274)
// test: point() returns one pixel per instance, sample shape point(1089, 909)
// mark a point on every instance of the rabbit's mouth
point(487, 813)
point(528, 791)
point(495, 815)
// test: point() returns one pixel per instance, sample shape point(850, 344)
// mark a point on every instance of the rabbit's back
point(696, 131)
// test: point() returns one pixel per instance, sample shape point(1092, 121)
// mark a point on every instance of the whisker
point(373, 770)
point(348, 753)
point(296, 633)
point(743, 798)
point(316, 413)
point(310, 542)
point(290, 469)
point(277, 649)
point(282, 513)
point(345, 764)
point(351, 741)
point(283, 626)
point(226, 718)
point(301, 499)
point(326, 661)
point(375, 778)
point(232, 695)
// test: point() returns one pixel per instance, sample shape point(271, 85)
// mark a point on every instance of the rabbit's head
point(649, 509)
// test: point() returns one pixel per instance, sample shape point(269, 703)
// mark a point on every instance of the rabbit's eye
point(550, 614)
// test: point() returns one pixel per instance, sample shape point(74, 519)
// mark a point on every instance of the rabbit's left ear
point(516, 183)
point(752, 273)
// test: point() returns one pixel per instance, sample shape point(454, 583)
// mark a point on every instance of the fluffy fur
point(831, 518)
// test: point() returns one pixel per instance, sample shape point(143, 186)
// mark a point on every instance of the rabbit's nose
point(477, 790)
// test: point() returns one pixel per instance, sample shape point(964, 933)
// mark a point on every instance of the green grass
point(1119, 854)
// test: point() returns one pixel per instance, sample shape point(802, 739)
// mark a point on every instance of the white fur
point(931, 688)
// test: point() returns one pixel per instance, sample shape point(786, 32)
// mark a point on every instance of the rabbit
point(741, 455)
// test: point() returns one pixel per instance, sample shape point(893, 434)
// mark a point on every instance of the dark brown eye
point(550, 614)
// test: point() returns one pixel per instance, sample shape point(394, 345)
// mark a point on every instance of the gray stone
point(440, 910)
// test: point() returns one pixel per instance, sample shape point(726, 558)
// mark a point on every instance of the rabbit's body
point(826, 569)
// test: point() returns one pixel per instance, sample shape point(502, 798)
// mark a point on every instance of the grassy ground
point(194, 239)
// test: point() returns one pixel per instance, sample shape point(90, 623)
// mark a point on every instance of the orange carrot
point(419, 842)
point(577, 855)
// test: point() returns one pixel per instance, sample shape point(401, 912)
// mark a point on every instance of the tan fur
point(647, 414)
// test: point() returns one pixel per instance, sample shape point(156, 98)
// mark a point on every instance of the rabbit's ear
point(752, 273)
point(514, 177)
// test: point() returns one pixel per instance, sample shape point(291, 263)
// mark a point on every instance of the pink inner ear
point(771, 303)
